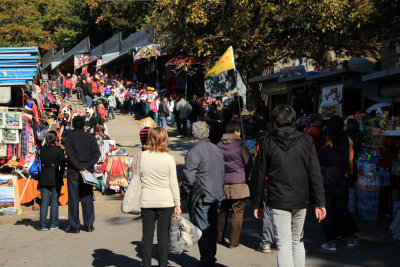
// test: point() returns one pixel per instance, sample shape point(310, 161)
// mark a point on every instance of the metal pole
point(241, 120)
point(26, 185)
point(186, 86)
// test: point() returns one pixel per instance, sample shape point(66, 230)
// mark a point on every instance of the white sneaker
point(179, 136)
point(329, 246)
point(352, 243)
point(53, 228)
point(264, 248)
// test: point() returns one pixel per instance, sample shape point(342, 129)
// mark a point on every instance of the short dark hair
point(284, 115)
point(315, 117)
point(78, 122)
point(232, 126)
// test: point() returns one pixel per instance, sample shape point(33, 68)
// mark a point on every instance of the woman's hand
point(177, 211)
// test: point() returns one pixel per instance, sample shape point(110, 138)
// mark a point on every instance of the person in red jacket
point(68, 85)
point(95, 90)
point(314, 130)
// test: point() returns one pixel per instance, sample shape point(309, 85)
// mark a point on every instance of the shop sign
point(81, 59)
point(331, 95)
point(99, 63)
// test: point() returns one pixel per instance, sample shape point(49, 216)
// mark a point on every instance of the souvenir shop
point(379, 159)
point(21, 122)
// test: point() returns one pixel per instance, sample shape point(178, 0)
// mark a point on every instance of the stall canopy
point(18, 65)
point(152, 50)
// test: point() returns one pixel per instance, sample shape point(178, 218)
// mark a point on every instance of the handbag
point(36, 166)
point(182, 235)
point(132, 197)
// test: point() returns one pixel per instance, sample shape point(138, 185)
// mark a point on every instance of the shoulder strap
point(138, 163)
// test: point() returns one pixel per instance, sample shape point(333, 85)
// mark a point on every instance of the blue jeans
point(110, 111)
point(268, 230)
point(49, 196)
point(206, 218)
point(163, 122)
point(88, 101)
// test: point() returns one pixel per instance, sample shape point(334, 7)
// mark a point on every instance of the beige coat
point(160, 187)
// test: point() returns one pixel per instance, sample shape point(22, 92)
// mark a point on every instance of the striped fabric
point(143, 135)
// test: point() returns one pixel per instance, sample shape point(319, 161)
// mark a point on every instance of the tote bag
point(132, 198)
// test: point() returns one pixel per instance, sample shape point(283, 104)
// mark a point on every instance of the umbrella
point(181, 60)
point(148, 122)
point(376, 106)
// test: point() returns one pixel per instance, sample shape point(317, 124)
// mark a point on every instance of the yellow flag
point(226, 62)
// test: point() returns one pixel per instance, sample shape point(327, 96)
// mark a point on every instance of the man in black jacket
point(287, 159)
point(83, 153)
point(87, 92)
point(163, 112)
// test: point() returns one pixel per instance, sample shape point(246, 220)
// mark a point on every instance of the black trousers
point(338, 217)
point(182, 126)
point(78, 191)
point(149, 217)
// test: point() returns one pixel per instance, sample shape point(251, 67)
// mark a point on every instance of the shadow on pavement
point(375, 246)
point(104, 257)
point(35, 223)
point(179, 259)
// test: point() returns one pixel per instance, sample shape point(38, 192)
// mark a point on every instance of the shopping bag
point(36, 167)
point(131, 202)
point(182, 235)
point(132, 197)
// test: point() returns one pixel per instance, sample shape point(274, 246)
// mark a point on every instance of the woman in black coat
point(336, 159)
point(50, 180)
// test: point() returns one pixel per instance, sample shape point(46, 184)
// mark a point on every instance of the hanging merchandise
point(13, 120)
point(10, 136)
point(105, 146)
point(117, 169)
point(2, 119)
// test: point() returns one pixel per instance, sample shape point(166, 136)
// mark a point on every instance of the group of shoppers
point(285, 181)
point(81, 154)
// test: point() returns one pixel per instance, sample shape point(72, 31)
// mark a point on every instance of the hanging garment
point(117, 169)
point(105, 146)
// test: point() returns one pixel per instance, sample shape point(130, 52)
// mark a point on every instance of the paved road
point(116, 240)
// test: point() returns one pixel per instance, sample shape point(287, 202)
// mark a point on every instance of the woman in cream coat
point(160, 194)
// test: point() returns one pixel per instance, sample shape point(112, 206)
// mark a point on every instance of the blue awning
point(18, 65)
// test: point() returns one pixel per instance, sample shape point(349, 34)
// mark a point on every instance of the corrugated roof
point(18, 65)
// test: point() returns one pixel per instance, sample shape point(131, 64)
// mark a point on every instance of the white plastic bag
point(182, 235)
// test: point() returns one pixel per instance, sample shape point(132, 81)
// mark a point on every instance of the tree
point(54, 23)
point(264, 32)
point(20, 25)
point(109, 17)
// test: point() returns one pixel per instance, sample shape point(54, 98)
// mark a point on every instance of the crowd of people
point(107, 95)
point(217, 182)
point(290, 172)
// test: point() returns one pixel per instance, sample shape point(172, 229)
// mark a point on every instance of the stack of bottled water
point(369, 181)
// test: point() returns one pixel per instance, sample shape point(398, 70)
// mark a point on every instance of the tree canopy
point(54, 23)
point(263, 32)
